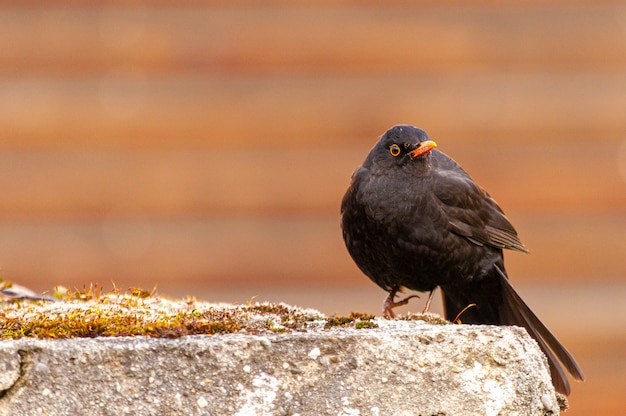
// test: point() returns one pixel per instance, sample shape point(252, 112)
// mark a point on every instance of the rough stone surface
point(399, 368)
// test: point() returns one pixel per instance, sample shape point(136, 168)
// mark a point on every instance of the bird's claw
point(389, 304)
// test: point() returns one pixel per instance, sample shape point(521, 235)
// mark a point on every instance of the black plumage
point(413, 218)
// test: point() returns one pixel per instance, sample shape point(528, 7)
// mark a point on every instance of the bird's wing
point(470, 211)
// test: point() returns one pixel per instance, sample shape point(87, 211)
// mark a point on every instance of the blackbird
point(413, 218)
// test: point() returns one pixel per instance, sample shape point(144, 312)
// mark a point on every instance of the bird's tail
point(509, 309)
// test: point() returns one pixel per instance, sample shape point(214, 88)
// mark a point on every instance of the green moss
point(358, 319)
point(92, 313)
point(429, 318)
point(365, 324)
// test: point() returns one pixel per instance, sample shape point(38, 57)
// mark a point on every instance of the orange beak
point(423, 148)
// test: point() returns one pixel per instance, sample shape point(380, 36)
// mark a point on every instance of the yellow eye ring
point(394, 149)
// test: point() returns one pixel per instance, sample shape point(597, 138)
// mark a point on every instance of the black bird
point(413, 218)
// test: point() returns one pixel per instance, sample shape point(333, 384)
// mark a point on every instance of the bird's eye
point(394, 149)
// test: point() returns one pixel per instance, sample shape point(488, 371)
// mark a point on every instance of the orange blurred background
point(205, 147)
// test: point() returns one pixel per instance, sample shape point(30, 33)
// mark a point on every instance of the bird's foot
point(430, 299)
point(389, 304)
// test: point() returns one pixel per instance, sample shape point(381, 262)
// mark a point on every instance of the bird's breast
point(397, 232)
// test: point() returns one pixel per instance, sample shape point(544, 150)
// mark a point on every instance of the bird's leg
point(430, 299)
point(389, 303)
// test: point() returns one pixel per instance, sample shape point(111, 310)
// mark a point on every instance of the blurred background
point(204, 147)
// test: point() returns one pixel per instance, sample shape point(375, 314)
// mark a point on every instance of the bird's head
point(401, 145)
